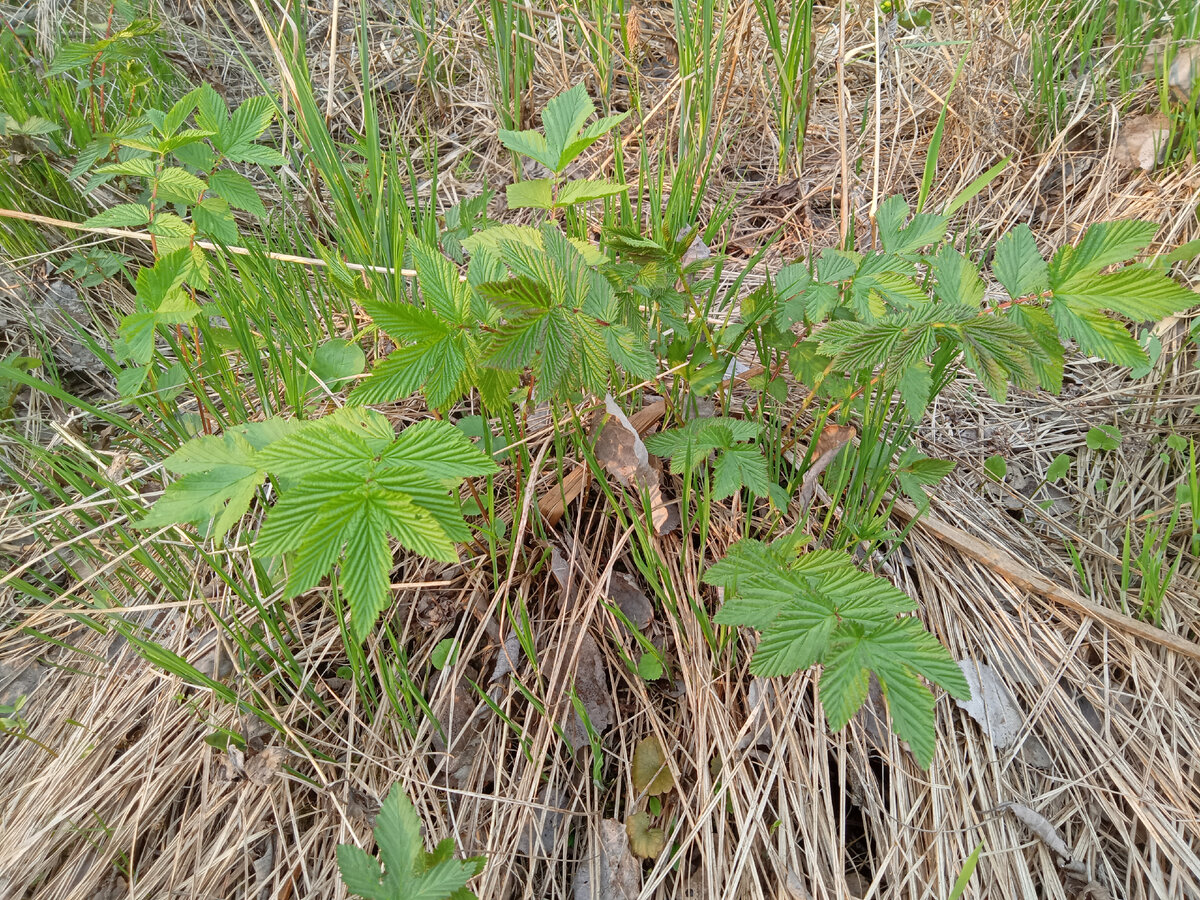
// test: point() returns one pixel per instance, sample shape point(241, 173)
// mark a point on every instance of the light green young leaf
point(1098, 335)
point(532, 194)
point(408, 871)
point(212, 216)
point(562, 118)
point(531, 144)
point(123, 215)
point(1018, 266)
point(1135, 292)
point(1103, 244)
point(179, 185)
point(246, 124)
point(583, 191)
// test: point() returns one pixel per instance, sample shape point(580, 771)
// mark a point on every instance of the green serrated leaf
point(533, 194)
point(584, 191)
point(408, 871)
point(237, 191)
point(123, 215)
point(1018, 265)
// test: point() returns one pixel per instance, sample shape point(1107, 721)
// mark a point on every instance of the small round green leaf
point(650, 667)
point(1104, 437)
point(444, 654)
point(996, 467)
point(1059, 467)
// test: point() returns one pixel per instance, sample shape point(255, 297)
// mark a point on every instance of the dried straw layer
point(120, 779)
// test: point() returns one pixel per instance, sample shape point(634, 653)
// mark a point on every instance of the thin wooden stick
point(205, 245)
point(1013, 570)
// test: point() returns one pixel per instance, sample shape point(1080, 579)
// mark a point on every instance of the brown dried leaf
point(591, 686)
point(464, 731)
point(623, 590)
point(262, 768)
point(829, 442)
point(611, 872)
point(621, 451)
point(1142, 142)
point(651, 774)
point(537, 838)
point(995, 708)
point(645, 840)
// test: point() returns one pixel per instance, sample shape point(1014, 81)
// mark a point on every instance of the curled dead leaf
point(619, 448)
point(829, 442)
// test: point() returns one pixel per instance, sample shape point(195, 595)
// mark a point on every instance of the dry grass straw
point(770, 805)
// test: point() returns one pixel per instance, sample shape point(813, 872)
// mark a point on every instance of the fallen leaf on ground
point(1142, 142)
point(621, 451)
point(610, 872)
point(623, 590)
point(645, 840)
point(1040, 826)
point(651, 774)
point(537, 838)
point(508, 658)
point(262, 768)
point(591, 686)
point(995, 708)
point(460, 736)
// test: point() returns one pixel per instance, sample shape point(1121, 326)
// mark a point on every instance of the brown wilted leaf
point(624, 591)
point(829, 442)
point(610, 872)
point(591, 686)
point(645, 840)
point(651, 774)
point(1142, 142)
point(262, 768)
point(463, 729)
point(621, 451)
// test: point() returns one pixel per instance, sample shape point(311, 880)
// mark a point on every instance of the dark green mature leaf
point(408, 872)
point(819, 608)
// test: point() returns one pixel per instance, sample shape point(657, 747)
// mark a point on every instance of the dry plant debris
point(1121, 772)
